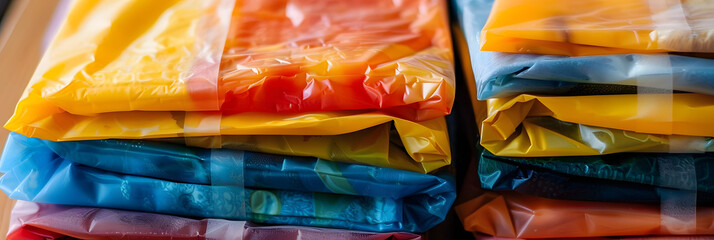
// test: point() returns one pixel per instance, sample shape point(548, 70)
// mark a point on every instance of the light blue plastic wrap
point(172, 179)
point(506, 74)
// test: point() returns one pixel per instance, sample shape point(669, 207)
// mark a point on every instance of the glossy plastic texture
point(306, 55)
point(632, 177)
point(589, 125)
point(596, 27)
point(103, 59)
point(275, 57)
point(691, 113)
point(515, 215)
point(508, 74)
point(49, 221)
point(546, 137)
point(538, 136)
point(171, 179)
point(376, 146)
point(425, 142)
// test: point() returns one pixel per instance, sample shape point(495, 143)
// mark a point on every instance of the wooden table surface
point(22, 33)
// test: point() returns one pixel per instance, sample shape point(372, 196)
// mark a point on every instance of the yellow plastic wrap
point(691, 114)
point(529, 125)
point(377, 146)
point(273, 56)
point(545, 136)
point(129, 55)
point(426, 143)
point(595, 27)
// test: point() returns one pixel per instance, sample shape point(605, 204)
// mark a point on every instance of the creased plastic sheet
point(510, 214)
point(636, 177)
point(507, 74)
point(173, 179)
point(427, 143)
point(304, 55)
point(523, 126)
point(271, 56)
point(691, 113)
point(514, 215)
point(529, 125)
point(558, 138)
point(377, 146)
point(49, 221)
point(595, 27)
point(104, 58)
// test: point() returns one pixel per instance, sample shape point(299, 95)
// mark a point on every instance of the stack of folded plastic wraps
point(183, 119)
point(595, 118)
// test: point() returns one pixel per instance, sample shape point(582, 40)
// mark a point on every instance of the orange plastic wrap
point(522, 216)
point(596, 27)
point(272, 56)
point(323, 55)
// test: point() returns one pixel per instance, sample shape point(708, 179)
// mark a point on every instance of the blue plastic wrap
point(165, 178)
point(506, 74)
point(625, 177)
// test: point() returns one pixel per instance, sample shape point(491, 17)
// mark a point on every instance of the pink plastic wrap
point(48, 221)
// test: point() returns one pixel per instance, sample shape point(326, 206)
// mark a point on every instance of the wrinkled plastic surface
point(306, 55)
point(271, 56)
point(171, 179)
point(558, 138)
point(516, 126)
point(426, 142)
point(691, 113)
point(377, 146)
point(537, 136)
point(632, 177)
point(512, 215)
point(49, 221)
point(113, 56)
point(596, 27)
point(506, 74)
